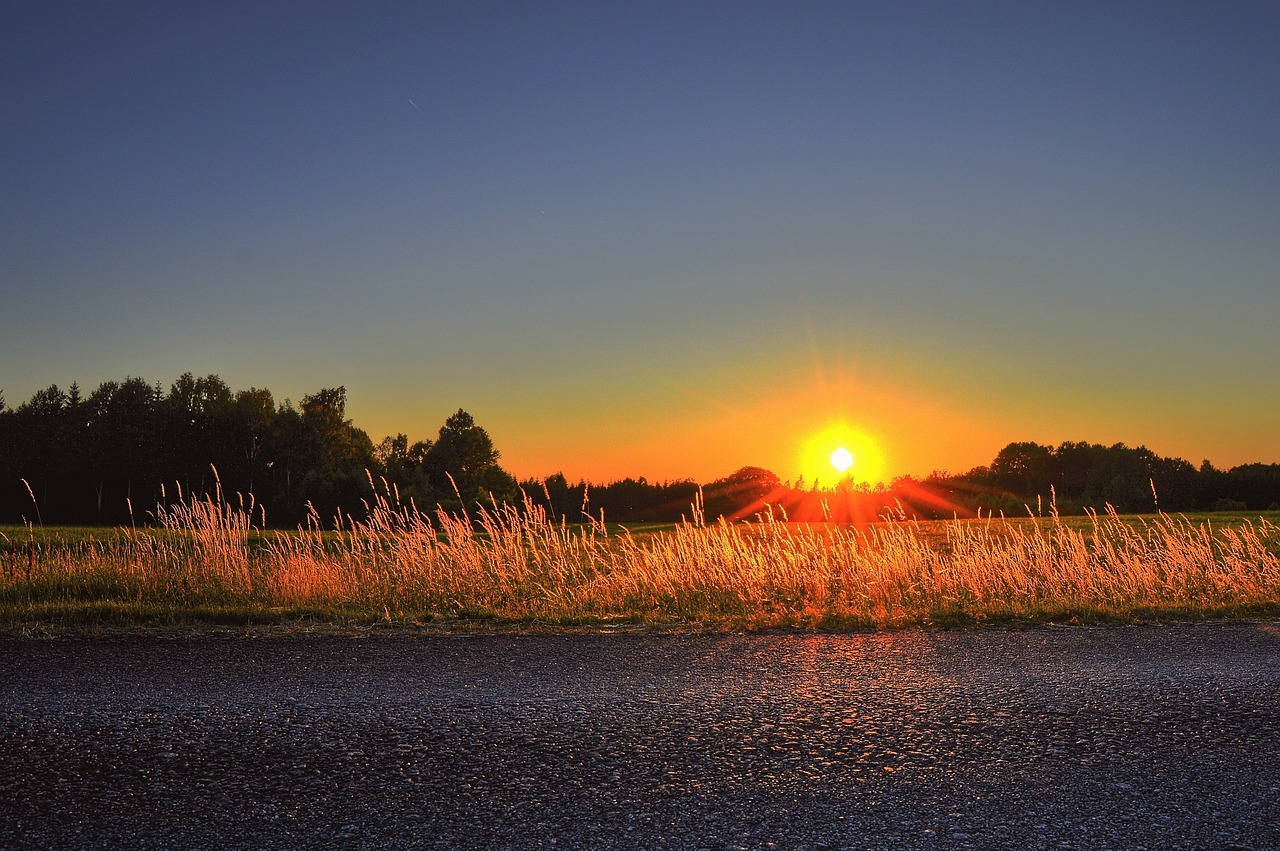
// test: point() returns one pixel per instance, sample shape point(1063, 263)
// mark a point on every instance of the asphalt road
point(1151, 737)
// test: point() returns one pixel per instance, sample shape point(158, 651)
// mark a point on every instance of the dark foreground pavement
point(1149, 737)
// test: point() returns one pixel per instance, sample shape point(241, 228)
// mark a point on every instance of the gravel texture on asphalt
point(1141, 737)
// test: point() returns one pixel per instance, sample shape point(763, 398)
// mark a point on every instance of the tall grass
point(204, 560)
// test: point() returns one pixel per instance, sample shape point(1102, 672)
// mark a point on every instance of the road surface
point(1137, 737)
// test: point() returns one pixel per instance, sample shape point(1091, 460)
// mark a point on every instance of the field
point(203, 564)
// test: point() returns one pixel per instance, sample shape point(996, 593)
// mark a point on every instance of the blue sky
point(661, 239)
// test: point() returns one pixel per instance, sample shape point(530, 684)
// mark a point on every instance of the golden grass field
point(203, 562)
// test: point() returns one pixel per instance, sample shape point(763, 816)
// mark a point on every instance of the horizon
point(662, 242)
point(815, 452)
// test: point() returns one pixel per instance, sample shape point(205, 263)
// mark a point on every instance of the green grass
point(205, 566)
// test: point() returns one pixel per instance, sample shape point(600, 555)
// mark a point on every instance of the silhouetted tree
point(36, 425)
point(336, 455)
point(404, 465)
point(197, 425)
point(743, 492)
point(562, 500)
point(124, 457)
point(1213, 484)
point(1025, 468)
point(252, 413)
point(463, 457)
point(1256, 485)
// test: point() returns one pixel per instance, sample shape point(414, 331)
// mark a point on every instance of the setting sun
point(846, 452)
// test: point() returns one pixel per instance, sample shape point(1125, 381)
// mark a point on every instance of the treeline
point(1091, 475)
point(1023, 478)
point(111, 457)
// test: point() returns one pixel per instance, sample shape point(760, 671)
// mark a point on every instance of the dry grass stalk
point(517, 563)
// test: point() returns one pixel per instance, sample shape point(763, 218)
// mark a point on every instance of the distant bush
point(1228, 504)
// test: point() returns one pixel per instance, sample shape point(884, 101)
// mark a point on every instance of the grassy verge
point(205, 567)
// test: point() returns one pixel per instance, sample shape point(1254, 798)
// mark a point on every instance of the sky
point(663, 239)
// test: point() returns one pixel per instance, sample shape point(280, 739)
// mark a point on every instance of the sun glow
point(841, 453)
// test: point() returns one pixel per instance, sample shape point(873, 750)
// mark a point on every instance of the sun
point(841, 452)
